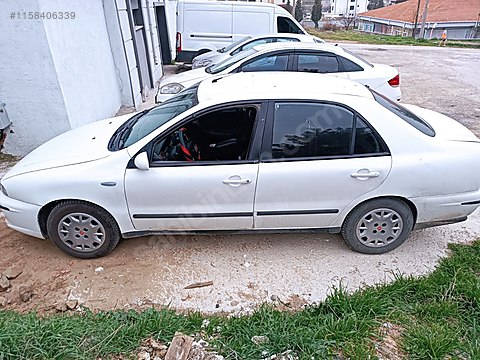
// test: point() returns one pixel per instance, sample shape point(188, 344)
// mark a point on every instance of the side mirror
point(141, 161)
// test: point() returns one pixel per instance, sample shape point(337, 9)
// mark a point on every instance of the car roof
point(299, 46)
point(277, 85)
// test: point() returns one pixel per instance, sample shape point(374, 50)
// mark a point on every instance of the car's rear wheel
point(82, 230)
point(378, 226)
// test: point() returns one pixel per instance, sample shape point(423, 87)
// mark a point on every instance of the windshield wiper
point(222, 50)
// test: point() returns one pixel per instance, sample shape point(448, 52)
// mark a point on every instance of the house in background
point(58, 74)
point(461, 18)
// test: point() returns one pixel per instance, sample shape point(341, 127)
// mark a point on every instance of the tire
point(378, 226)
point(94, 218)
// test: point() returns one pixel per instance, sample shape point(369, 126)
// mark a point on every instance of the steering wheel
point(189, 149)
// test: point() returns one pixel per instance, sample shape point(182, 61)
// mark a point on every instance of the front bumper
point(21, 216)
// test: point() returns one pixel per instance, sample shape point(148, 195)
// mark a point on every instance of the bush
point(330, 27)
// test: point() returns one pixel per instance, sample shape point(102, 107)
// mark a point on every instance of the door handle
point(365, 175)
point(236, 181)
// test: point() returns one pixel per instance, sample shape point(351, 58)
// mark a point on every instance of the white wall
point(28, 81)
point(339, 7)
point(171, 15)
point(83, 60)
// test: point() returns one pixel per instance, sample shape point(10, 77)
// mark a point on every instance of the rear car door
point(316, 159)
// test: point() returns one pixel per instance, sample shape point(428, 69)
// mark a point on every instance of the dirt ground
point(244, 271)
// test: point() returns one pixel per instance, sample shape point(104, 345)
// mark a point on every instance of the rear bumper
point(21, 216)
point(439, 210)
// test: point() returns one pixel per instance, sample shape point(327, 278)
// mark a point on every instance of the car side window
point(349, 65)
point(310, 130)
point(267, 63)
point(366, 140)
point(303, 130)
point(286, 25)
point(221, 135)
point(286, 40)
point(318, 63)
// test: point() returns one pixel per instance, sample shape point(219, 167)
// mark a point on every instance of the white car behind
point(248, 42)
point(316, 59)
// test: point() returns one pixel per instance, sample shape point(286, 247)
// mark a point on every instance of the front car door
point(202, 173)
point(317, 158)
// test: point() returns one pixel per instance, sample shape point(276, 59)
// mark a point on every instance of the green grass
point(439, 315)
point(356, 36)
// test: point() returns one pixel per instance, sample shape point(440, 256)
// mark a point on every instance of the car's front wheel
point(82, 230)
point(378, 226)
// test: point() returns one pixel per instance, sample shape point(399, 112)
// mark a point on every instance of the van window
point(286, 25)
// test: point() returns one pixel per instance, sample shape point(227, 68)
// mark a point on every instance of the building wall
point(343, 7)
point(83, 60)
point(29, 84)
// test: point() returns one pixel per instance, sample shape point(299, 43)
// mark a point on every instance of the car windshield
point(405, 114)
point(143, 123)
point(357, 57)
point(231, 46)
point(222, 65)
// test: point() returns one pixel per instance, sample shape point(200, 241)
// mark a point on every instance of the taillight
point(179, 42)
point(394, 81)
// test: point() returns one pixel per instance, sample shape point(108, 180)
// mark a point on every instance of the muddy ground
point(247, 270)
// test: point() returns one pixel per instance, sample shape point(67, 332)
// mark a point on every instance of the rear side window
point(303, 130)
point(404, 114)
point(286, 25)
point(349, 65)
point(323, 63)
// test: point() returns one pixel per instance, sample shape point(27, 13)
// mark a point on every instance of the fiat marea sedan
point(248, 152)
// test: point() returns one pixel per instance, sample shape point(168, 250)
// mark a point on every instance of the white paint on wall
point(29, 85)
point(83, 60)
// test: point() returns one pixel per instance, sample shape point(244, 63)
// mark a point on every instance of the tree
point(316, 12)
point(298, 10)
point(289, 7)
point(375, 4)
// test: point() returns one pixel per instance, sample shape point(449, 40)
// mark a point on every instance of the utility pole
point(416, 20)
point(424, 19)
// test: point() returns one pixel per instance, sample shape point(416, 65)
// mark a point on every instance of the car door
point(214, 191)
point(316, 159)
point(319, 62)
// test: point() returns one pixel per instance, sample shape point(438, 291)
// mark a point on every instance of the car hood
point(444, 126)
point(186, 77)
point(83, 144)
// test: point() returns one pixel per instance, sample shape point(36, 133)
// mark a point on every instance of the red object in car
point(395, 81)
point(179, 42)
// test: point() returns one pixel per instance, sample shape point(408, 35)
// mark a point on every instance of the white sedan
point(245, 152)
point(294, 57)
point(214, 57)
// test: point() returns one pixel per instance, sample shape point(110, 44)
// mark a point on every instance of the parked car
point(293, 56)
point(214, 57)
point(249, 152)
point(204, 26)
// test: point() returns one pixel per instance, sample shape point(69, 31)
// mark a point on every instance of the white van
point(203, 26)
